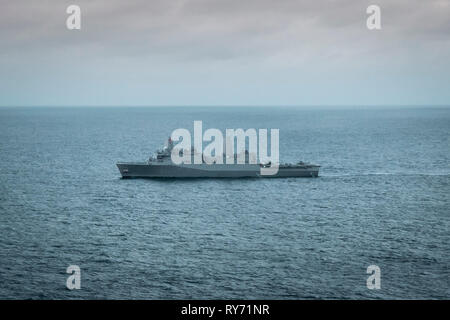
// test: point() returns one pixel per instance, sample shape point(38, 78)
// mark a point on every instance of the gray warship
point(161, 166)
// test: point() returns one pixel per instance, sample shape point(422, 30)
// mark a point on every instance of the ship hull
point(146, 170)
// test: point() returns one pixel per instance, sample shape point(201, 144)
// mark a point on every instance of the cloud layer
point(219, 52)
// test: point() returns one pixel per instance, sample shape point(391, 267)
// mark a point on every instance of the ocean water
point(382, 198)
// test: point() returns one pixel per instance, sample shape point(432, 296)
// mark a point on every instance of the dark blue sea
point(382, 198)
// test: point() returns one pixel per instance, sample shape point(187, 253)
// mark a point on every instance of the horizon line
point(233, 106)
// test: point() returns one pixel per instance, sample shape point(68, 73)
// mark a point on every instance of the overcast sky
point(224, 52)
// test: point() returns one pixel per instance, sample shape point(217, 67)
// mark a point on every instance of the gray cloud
point(217, 29)
point(187, 41)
